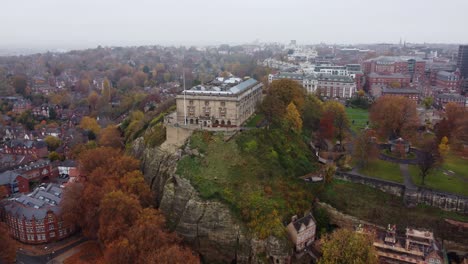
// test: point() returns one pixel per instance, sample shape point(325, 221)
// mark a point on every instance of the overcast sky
point(88, 23)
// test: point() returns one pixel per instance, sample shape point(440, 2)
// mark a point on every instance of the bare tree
point(428, 159)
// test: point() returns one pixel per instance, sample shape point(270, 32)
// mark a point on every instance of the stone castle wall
point(412, 197)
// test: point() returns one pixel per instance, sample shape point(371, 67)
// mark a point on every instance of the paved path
point(407, 177)
point(24, 258)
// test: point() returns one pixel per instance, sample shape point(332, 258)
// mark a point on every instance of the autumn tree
point(117, 213)
point(313, 108)
point(427, 102)
point(340, 119)
point(20, 83)
point(7, 245)
point(93, 99)
point(428, 158)
point(125, 84)
point(110, 137)
point(348, 246)
point(90, 124)
point(394, 116)
point(460, 133)
point(52, 142)
point(279, 95)
point(364, 148)
point(140, 78)
point(293, 119)
point(106, 90)
point(444, 146)
point(326, 128)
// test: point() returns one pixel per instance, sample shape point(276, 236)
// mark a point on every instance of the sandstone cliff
point(208, 225)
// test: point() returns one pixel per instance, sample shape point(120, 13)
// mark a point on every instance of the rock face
point(208, 225)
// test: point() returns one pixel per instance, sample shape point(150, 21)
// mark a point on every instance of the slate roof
point(306, 220)
point(14, 143)
point(36, 204)
point(8, 177)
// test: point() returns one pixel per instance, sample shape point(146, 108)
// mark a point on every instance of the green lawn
point(252, 122)
point(383, 170)
point(438, 180)
point(360, 117)
point(456, 164)
point(372, 205)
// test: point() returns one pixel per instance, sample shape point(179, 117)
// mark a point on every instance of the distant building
point(26, 147)
point(223, 102)
point(445, 98)
point(410, 93)
point(462, 61)
point(336, 86)
point(302, 231)
point(35, 218)
point(377, 81)
point(447, 80)
point(298, 77)
point(414, 67)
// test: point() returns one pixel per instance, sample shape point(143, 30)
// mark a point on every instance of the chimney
point(294, 218)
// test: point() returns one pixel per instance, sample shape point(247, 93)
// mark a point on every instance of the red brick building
point(414, 67)
point(377, 81)
point(26, 147)
point(413, 94)
point(35, 218)
point(447, 80)
point(445, 98)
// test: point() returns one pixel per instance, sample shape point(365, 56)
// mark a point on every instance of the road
point(23, 258)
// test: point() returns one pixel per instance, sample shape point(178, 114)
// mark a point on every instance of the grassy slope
point(381, 208)
point(254, 174)
point(383, 170)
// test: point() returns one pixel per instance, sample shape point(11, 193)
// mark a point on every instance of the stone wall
point(442, 200)
point(393, 188)
point(412, 197)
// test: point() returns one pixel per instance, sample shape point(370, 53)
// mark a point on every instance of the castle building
point(221, 103)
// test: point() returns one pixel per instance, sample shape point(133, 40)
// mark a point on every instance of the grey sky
point(88, 23)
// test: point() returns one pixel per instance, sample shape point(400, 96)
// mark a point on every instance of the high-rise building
point(462, 62)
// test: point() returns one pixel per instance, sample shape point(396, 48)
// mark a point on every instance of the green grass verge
point(360, 117)
point(383, 170)
point(254, 120)
point(381, 208)
point(438, 180)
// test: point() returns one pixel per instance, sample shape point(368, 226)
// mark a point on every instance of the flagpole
point(185, 107)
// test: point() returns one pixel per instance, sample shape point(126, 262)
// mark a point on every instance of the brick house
point(26, 147)
point(35, 218)
point(302, 231)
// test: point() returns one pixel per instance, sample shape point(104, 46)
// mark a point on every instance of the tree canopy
point(394, 116)
point(347, 246)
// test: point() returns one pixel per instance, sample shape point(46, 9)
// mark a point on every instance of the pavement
point(407, 177)
point(35, 255)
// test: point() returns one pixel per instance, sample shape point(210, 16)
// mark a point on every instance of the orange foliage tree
point(113, 205)
point(394, 116)
point(7, 245)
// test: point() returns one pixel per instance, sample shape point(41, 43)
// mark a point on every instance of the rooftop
point(393, 75)
point(223, 86)
point(392, 59)
point(36, 204)
point(400, 91)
